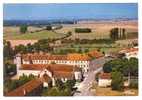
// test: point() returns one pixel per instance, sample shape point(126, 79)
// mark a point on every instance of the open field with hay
point(100, 29)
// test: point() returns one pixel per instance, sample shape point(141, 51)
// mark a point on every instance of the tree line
point(120, 68)
point(61, 88)
point(118, 33)
point(82, 30)
point(88, 41)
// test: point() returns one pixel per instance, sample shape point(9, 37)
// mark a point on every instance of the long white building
point(80, 60)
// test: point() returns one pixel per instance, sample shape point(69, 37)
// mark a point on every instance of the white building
point(52, 72)
point(53, 66)
point(104, 80)
point(80, 60)
point(130, 52)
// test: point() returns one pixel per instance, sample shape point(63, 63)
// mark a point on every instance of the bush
point(23, 28)
point(124, 66)
point(82, 30)
point(134, 84)
point(49, 27)
point(13, 84)
point(117, 80)
point(10, 68)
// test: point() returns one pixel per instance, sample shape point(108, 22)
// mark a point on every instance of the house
point(80, 60)
point(104, 80)
point(130, 52)
point(46, 74)
point(53, 71)
point(31, 88)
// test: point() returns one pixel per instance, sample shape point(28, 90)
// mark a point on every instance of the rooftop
point(52, 67)
point(95, 54)
point(26, 88)
point(128, 50)
point(105, 76)
point(45, 56)
point(57, 70)
point(77, 57)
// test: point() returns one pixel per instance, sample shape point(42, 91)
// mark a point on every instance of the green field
point(103, 47)
point(33, 36)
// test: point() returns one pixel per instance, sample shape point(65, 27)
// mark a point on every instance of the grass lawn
point(99, 91)
point(33, 36)
point(110, 92)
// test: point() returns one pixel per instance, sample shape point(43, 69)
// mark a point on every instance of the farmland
point(14, 35)
point(99, 30)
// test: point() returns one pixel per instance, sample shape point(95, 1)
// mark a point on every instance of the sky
point(70, 11)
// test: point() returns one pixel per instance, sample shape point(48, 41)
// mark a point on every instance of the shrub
point(49, 27)
point(134, 84)
point(117, 80)
point(82, 30)
point(23, 28)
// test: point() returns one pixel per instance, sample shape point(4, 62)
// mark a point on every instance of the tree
point(117, 80)
point(30, 48)
point(59, 84)
point(66, 92)
point(134, 84)
point(123, 65)
point(36, 47)
point(124, 33)
point(114, 33)
point(61, 89)
point(9, 68)
point(49, 27)
point(11, 85)
point(107, 68)
point(86, 50)
point(8, 51)
point(69, 33)
point(54, 91)
point(20, 49)
point(23, 28)
point(103, 53)
point(133, 64)
point(82, 30)
point(24, 79)
point(79, 50)
point(69, 84)
point(31, 77)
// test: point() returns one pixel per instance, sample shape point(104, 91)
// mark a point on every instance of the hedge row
point(82, 30)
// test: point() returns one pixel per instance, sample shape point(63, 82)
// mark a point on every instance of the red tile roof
point(62, 74)
point(105, 76)
point(58, 70)
point(74, 57)
point(36, 56)
point(95, 54)
point(26, 88)
point(127, 50)
point(78, 57)
point(53, 67)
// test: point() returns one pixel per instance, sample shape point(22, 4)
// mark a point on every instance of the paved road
point(95, 67)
